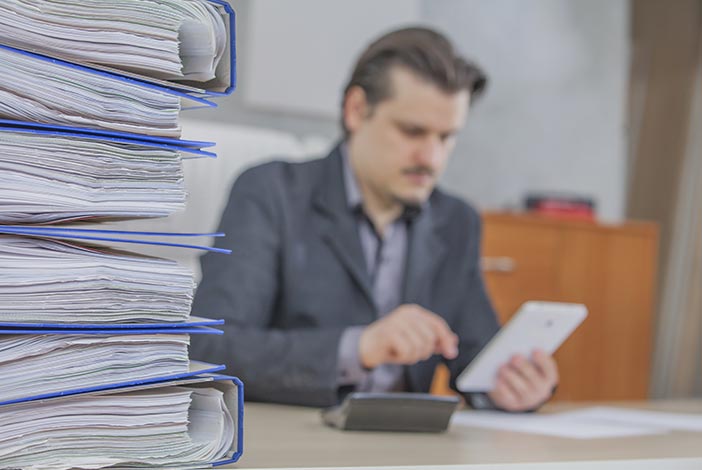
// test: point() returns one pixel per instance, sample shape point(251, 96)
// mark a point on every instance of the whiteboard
point(299, 54)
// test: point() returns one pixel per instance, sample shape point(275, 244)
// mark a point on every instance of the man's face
point(399, 148)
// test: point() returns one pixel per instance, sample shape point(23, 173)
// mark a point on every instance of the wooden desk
point(279, 436)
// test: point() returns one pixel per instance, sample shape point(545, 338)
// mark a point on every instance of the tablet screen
point(537, 325)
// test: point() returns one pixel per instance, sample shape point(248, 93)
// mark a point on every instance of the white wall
point(302, 72)
point(555, 112)
point(553, 118)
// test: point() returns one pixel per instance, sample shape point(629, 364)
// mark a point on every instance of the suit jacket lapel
point(425, 252)
point(424, 255)
point(338, 226)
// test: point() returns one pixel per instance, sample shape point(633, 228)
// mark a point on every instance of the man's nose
point(430, 151)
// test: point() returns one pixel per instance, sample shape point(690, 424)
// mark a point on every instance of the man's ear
point(355, 108)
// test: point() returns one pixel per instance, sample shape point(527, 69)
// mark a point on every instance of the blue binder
point(201, 378)
point(108, 330)
point(196, 368)
point(112, 79)
point(11, 123)
point(120, 328)
point(193, 148)
point(222, 87)
point(199, 100)
point(237, 446)
point(225, 80)
point(119, 236)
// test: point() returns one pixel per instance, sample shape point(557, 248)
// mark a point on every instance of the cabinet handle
point(499, 264)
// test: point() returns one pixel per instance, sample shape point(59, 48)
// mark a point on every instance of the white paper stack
point(166, 39)
point(74, 96)
point(601, 422)
point(50, 281)
point(93, 340)
point(32, 365)
point(181, 426)
point(75, 177)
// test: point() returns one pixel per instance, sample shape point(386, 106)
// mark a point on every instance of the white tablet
point(537, 325)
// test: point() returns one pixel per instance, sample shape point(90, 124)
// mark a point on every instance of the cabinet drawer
point(520, 263)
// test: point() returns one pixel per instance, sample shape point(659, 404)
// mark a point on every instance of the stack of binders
point(94, 340)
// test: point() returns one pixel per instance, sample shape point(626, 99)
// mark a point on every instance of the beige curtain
point(665, 182)
point(678, 356)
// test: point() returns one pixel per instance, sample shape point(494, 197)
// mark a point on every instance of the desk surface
point(293, 437)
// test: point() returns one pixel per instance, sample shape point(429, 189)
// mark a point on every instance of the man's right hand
point(406, 335)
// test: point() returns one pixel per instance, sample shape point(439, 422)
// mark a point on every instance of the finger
point(421, 341)
point(415, 339)
point(516, 383)
point(503, 396)
point(428, 342)
point(450, 350)
point(547, 366)
point(407, 347)
point(539, 387)
point(528, 371)
point(400, 349)
point(446, 340)
point(531, 393)
point(420, 328)
point(434, 342)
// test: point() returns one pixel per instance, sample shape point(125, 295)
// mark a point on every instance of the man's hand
point(406, 335)
point(524, 385)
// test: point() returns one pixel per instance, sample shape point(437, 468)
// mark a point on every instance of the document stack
point(94, 340)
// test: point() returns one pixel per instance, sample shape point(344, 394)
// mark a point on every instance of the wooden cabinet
point(609, 268)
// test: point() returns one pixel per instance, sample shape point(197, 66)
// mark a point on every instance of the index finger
point(446, 339)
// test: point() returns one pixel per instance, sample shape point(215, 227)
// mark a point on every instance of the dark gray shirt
point(385, 260)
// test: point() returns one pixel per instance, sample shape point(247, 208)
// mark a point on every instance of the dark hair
point(424, 52)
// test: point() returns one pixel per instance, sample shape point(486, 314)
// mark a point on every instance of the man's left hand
point(524, 384)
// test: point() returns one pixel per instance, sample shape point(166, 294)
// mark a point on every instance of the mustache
point(419, 170)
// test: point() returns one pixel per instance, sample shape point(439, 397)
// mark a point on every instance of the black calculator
point(408, 412)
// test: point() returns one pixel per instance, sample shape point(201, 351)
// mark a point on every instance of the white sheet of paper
point(632, 416)
point(573, 425)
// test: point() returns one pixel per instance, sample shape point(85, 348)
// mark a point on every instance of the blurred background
point(594, 110)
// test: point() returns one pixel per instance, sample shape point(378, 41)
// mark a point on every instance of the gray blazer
point(297, 278)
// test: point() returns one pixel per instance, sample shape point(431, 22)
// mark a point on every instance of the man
point(353, 272)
